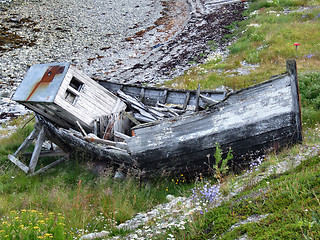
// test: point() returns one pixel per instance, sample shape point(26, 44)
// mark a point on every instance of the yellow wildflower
point(35, 227)
point(33, 211)
point(23, 210)
point(40, 237)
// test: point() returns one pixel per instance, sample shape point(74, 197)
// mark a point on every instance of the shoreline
point(148, 42)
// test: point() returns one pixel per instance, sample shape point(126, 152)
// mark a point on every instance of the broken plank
point(142, 118)
point(131, 118)
point(207, 99)
point(83, 132)
point(121, 135)
point(93, 138)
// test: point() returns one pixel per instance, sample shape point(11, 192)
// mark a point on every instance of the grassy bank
point(70, 200)
point(265, 39)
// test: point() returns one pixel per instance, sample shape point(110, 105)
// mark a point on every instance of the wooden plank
point(169, 109)
point(83, 132)
point(47, 153)
point(51, 165)
point(164, 96)
point(143, 118)
point(18, 163)
point(131, 118)
point(93, 138)
point(95, 127)
point(36, 151)
point(142, 95)
point(121, 125)
point(121, 135)
point(27, 142)
point(197, 98)
point(208, 100)
point(79, 147)
point(108, 133)
point(186, 101)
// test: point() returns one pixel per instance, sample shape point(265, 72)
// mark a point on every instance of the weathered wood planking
point(64, 95)
point(78, 147)
point(250, 120)
point(152, 95)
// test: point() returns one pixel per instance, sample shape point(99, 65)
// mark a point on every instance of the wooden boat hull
point(250, 122)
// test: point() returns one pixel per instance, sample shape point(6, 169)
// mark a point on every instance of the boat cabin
point(60, 92)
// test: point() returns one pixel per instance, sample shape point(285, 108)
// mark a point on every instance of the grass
point(69, 200)
point(86, 201)
point(265, 38)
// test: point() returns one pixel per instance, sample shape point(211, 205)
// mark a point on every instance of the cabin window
point(70, 97)
point(73, 90)
point(76, 84)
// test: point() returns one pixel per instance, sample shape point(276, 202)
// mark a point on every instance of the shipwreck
point(155, 130)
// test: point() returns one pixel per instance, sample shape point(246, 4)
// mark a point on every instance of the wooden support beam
point(27, 142)
point(186, 101)
point(36, 151)
point(197, 98)
point(47, 154)
point(55, 163)
point(17, 162)
point(95, 127)
point(142, 94)
point(165, 95)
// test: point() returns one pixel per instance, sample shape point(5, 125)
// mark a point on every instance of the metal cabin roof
point(41, 83)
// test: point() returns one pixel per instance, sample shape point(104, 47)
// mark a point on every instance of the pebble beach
point(141, 42)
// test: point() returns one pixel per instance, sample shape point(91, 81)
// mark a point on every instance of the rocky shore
point(145, 42)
